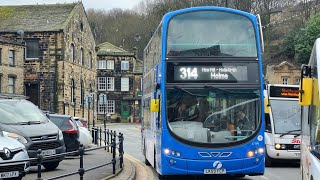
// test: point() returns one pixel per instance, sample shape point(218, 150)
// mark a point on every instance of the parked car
point(69, 128)
point(82, 120)
point(85, 137)
point(12, 150)
point(22, 120)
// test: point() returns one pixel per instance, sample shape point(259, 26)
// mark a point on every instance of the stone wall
point(16, 71)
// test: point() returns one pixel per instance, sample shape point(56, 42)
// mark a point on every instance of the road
point(132, 148)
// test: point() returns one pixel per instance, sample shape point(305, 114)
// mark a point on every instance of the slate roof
point(35, 18)
point(107, 48)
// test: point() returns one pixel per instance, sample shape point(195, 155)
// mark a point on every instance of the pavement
point(91, 159)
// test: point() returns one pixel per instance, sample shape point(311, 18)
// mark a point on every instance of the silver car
point(12, 150)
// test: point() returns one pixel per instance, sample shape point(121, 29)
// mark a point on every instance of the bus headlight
point(261, 150)
point(250, 154)
point(178, 154)
point(166, 151)
point(277, 146)
point(283, 146)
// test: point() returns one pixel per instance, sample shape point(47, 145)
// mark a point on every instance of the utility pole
point(226, 3)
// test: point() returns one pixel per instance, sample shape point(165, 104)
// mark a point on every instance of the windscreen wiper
point(28, 122)
point(288, 132)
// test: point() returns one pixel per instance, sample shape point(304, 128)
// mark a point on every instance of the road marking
point(263, 177)
point(148, 169)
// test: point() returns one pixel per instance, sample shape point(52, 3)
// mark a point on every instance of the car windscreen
point(20, 112)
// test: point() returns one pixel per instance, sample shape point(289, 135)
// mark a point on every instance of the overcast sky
point(96, 4)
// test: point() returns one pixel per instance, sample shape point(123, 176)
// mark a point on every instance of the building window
point(72, 91)
point(124, 84)
point(110, 83)
point(285, 80)
point(11, 85)
point(101, 108)
point(110, 64)
point(124, 65)
point(81, 57)
point(0, 83)
point(81, 93)
point(101, 83)
point(32, 49)
point(102, 64)
point(297, 81)
point(110, 106)
point(11, 58)
point(0, 56)
point(90, 60)
point(102, 102)
point(72, 53)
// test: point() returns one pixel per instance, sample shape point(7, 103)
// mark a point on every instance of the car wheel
point(50, 166)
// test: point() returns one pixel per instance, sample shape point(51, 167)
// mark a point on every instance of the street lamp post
point(89, 100)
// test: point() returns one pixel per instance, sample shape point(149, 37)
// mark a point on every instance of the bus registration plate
point(9, 174)
point(215, 171)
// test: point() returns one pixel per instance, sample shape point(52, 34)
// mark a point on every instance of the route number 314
point(189, 73)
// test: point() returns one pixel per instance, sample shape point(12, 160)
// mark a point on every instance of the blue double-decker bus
point(202, 98)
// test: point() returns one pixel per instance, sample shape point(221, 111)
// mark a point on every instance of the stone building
point(60, 54)
point(283, 73)
point(119, 78)
point(11, 68)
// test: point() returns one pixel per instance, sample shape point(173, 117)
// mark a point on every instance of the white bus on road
point(309, 100)
point(283, 123)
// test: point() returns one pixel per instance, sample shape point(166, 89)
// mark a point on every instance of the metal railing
point(113, 144)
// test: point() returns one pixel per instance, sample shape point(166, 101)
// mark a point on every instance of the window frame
point(112, 107)
point(26, 49)
point(125, 84)
point(111, 84)
point(102, 83)
point(72, 53)
point(112, 64)
point(125, 65)
point(103, 64)
point(72, 95)
point(81, 56)
point(0, 56)
point(285, 79)
point(12, 59)
point(13, 85)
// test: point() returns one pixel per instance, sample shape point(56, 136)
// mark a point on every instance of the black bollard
point(39, 162)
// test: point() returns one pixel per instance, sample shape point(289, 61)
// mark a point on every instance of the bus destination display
point(287, 92)
point(211, 73)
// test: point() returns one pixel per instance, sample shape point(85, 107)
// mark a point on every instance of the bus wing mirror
point(266, 105)
point(154, 105)
point(305, 95)
point(305, 89)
